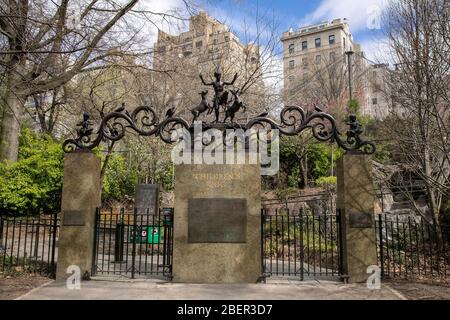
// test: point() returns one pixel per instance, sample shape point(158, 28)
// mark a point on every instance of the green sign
point(146, 234)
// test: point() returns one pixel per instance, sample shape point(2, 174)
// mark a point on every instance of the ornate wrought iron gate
point(301, 245)
point(133, 244)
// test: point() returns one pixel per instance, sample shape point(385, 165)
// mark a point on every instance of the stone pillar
point(355, 191)
point(217, 223)
point(80, 197)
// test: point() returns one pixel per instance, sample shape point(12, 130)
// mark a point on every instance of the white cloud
point(156, 21)
point(161, 6)
point(361, 13)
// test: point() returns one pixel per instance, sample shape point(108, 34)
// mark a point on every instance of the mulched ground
point(12, 287)
point(421, 291)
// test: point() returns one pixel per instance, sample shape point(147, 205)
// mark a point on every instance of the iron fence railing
point(412, 248)
point(29, 244)
point(301, 244)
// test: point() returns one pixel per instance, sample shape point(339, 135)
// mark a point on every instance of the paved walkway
point(154, 290)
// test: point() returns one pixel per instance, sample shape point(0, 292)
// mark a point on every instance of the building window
point(305, 77)
point(318, 59)
point(305, 63)
point(198, 44)
point(345, 45)
point(332, 39)
point(332, 56)
point(215, 41)
point(291, 48)
point(253, 59)
point(227, 38)
point(291, 78)
point(291, 64)
point(305, 45)
point(374, 101)
point(318, 42)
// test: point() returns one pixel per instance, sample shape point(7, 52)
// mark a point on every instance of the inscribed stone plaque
point(73, 218)
point(217, 220)
point(360, 220)
point(147, 197)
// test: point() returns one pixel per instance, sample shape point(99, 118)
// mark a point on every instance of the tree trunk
point(105, 163)
point(304, 173)
point(432, 201)
point(12, 116)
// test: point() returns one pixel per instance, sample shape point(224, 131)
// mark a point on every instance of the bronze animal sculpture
point(235, 107)
point(202, 107)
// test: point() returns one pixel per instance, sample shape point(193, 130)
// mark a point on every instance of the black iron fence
point(134, 243)
point(28, 244)
point(301, 244)
point(412, 248)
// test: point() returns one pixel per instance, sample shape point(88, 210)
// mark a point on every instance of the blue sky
point(364, 16)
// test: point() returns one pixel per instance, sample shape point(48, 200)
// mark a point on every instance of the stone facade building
point(208, 46)
point(377, 105)
point(316, 67)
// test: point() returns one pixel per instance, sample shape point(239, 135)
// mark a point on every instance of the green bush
point(293, 177)
point(353, 106)
point(120, 180)
point(318, 160)
point(292, 155)
point(33, 184)
point(328, 183)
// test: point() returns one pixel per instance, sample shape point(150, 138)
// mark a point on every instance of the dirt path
point(422, 291)
point(13, 287)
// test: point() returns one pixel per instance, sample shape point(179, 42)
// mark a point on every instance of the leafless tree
point(418, 91)
point(324, 83)
point(45, 44)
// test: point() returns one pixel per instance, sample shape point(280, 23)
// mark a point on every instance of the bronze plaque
point(217, 220)
point(73, 218)
point(360, 220)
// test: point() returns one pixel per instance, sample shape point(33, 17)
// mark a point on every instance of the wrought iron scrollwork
point(293, 121)
point(144, 121)
point(113, 127)
point(168, 127)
